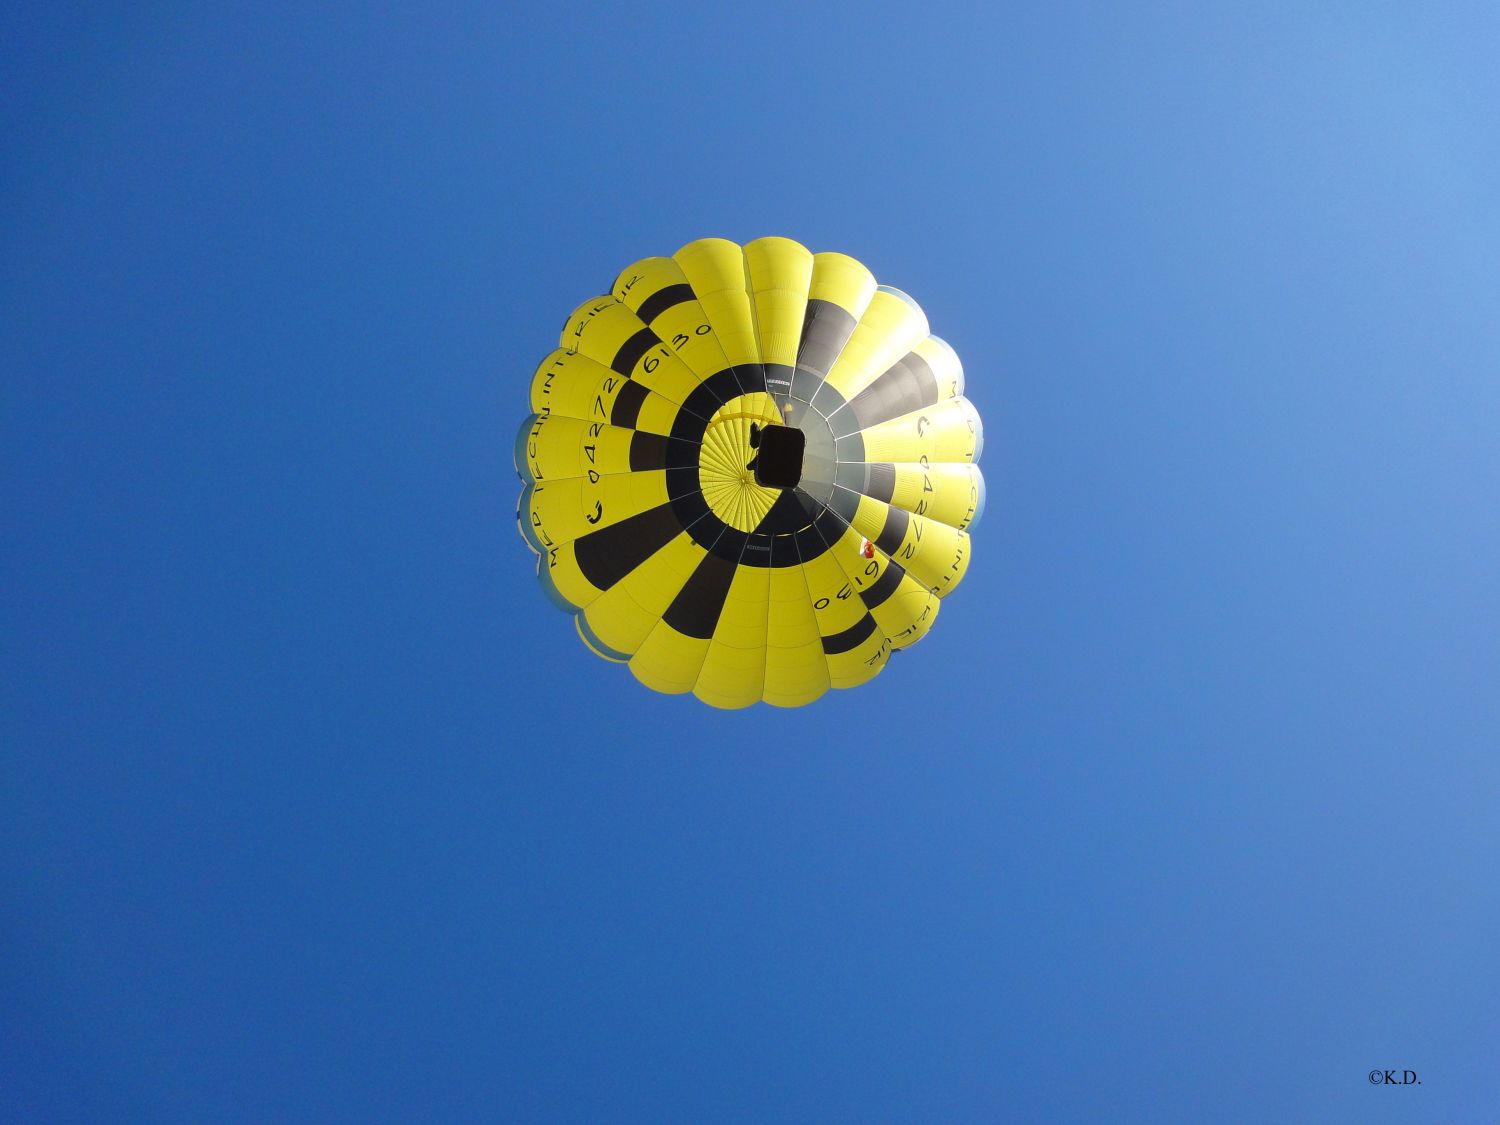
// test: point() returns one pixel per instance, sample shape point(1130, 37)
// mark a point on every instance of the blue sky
point(312, 807)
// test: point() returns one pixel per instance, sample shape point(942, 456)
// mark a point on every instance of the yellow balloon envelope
point(748, 472)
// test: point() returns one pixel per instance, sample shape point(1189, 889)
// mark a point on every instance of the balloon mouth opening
point(778, 464)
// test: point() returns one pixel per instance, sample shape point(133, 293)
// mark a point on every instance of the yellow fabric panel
point(742, 621)
point(731, 677)
point(795, 677)
point(715, 268)
point(558, 447)
point(796, 670)
point(574, 386)
point(943, 492)
point(561, 511)
point(624, 614)
point(934, 554)
point(667, 661)
point(618, 620)
point(733, 671)
point(945, 365)
point(790, 621)
point(656, 415)
point(869, 517)
point(908, 614)
point(842, 281)
point(579, 329)
point(564, 383)
point(888, 330)
point(780, 272)
point(948, 431)
point(859, 665)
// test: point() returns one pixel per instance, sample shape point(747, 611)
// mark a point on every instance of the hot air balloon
point(748, 472)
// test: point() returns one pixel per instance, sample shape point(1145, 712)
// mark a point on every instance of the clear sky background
point(312, 807)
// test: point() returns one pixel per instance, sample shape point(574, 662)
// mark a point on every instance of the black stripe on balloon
point(884, 587)
point(845, 503)
point(731, 543)
point(784, 551)
point(684, 489)
point(854, 445)
point(751, 377)
point(778, 378)
point(689, 428)
point(826, 328)
point(609, 554)
point(682, 454)
point(631, 351)
point(687, 498)
point(627, 407)
point(880, 481)
point(648, 452)
point(662, 300)
point(830, 526)
point(819, 535)
point(851, 637)
point(850, 447)
point(909, 385)
point(893, 532)
point(805, 384)
point(788, 514)
point(695, 610)
point(706, 398)
point(827, 401)
point(850, 475)
point(760, 549)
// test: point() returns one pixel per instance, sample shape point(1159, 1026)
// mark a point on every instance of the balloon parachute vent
point(779, 462)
